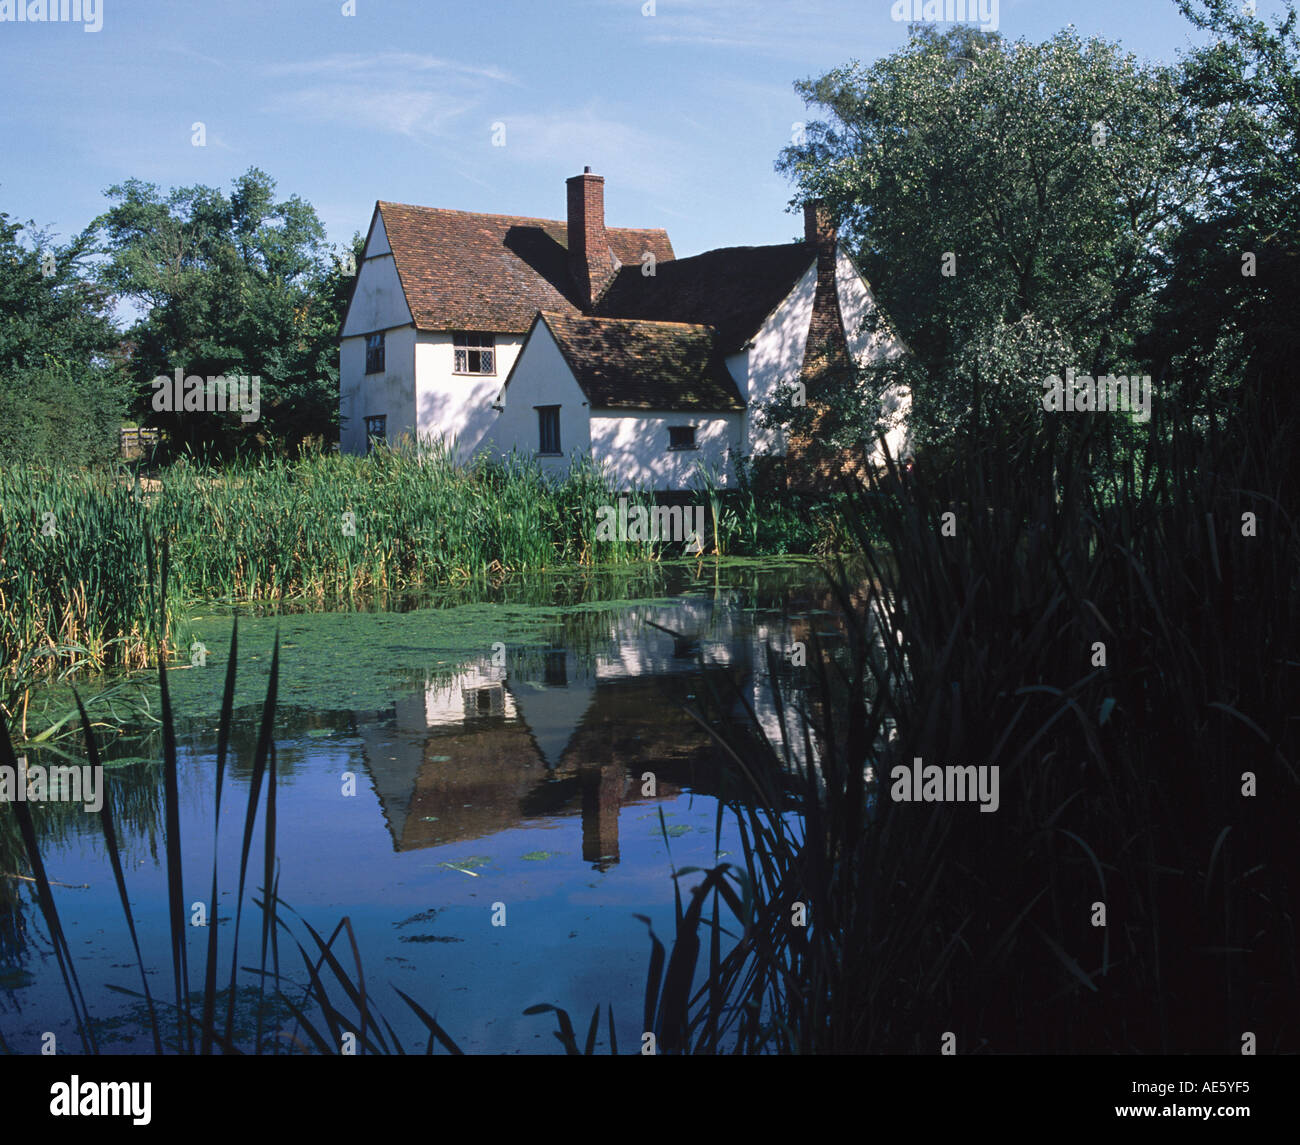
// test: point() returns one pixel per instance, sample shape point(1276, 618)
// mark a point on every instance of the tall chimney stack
point(590, 260)
point(818, 228)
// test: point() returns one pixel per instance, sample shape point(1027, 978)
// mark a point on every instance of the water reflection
point(586, 734)
point(595, 723)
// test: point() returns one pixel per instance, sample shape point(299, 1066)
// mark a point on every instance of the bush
point(51, 414)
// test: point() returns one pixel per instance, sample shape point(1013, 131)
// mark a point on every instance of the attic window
point(475, 353)
point(681, 437)
point(375, 353)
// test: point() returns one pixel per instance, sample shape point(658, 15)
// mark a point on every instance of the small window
point(548, 429)
point(484, 701)
point(475, 353)
point(376, 430)
point(681, 437)
point(375, 353)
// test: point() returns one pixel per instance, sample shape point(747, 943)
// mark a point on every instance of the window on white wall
point(375, 353)
point(548, 429)
point(681, 437)
point(475, 353)
point(376, 430)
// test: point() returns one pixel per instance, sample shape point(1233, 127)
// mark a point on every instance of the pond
point(490, 792)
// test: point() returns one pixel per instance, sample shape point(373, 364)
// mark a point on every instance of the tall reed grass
point(74, 546)
point(1161, 784)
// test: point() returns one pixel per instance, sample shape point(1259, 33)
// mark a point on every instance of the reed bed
point(1161, 785)
point(75, 547)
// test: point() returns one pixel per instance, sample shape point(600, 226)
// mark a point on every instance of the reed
point(74, 589)
point(192, 1023)
point(1125, 784)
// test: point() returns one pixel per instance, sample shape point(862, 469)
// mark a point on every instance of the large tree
point(230, 285)
point(63, 394)
point(1227, 327)
point(1002, 198)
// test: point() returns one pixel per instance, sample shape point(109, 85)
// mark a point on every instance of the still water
point(490, 792)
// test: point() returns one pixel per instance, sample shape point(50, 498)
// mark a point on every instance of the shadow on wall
point(464, 418)
point(635, 450)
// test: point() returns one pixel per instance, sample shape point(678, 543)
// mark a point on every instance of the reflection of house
point(473, 692)
point(561, 733)
point(602, 799)
point(581, 747)
point(450, 783)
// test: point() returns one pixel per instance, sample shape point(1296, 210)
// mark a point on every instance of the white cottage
point(500, 333)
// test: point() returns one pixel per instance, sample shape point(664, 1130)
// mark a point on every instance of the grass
point(74, 586)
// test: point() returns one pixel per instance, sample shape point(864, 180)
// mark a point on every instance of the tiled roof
point(732, 289)
point(627, 364)
point(466, 271)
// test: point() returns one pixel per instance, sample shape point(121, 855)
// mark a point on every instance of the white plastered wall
point(634, 447)
point(378, 305)
point(458, 408)
point(542, 378)
point(868, 345)
point(774, 357)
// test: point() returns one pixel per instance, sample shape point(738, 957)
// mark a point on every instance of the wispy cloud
point(409, 112)
point(790, 29)
point(409, 94)
point(374, 64)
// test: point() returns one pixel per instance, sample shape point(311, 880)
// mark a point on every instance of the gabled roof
point(732, 289)
point(493, 273)
point(627, 364)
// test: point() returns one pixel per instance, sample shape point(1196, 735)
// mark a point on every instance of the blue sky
point(683, 111)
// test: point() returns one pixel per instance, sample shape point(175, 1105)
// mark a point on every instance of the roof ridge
point(493, 215)
point(637, 321)
point(756, 246)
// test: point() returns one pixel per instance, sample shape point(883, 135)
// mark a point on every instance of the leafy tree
point(63, 394)
point(237, 285)
point(982, 184)
point(1227, 325)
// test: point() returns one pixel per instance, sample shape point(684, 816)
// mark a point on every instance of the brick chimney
point(818, 227)
point(591, 262)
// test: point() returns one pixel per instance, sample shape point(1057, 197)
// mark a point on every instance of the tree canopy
point(62, 391)
point(238, 284)
point(1021, 208)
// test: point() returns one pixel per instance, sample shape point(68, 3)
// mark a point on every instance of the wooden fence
point(136, 442)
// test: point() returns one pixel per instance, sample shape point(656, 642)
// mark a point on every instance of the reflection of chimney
point(602, 796)
point(590, 260)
